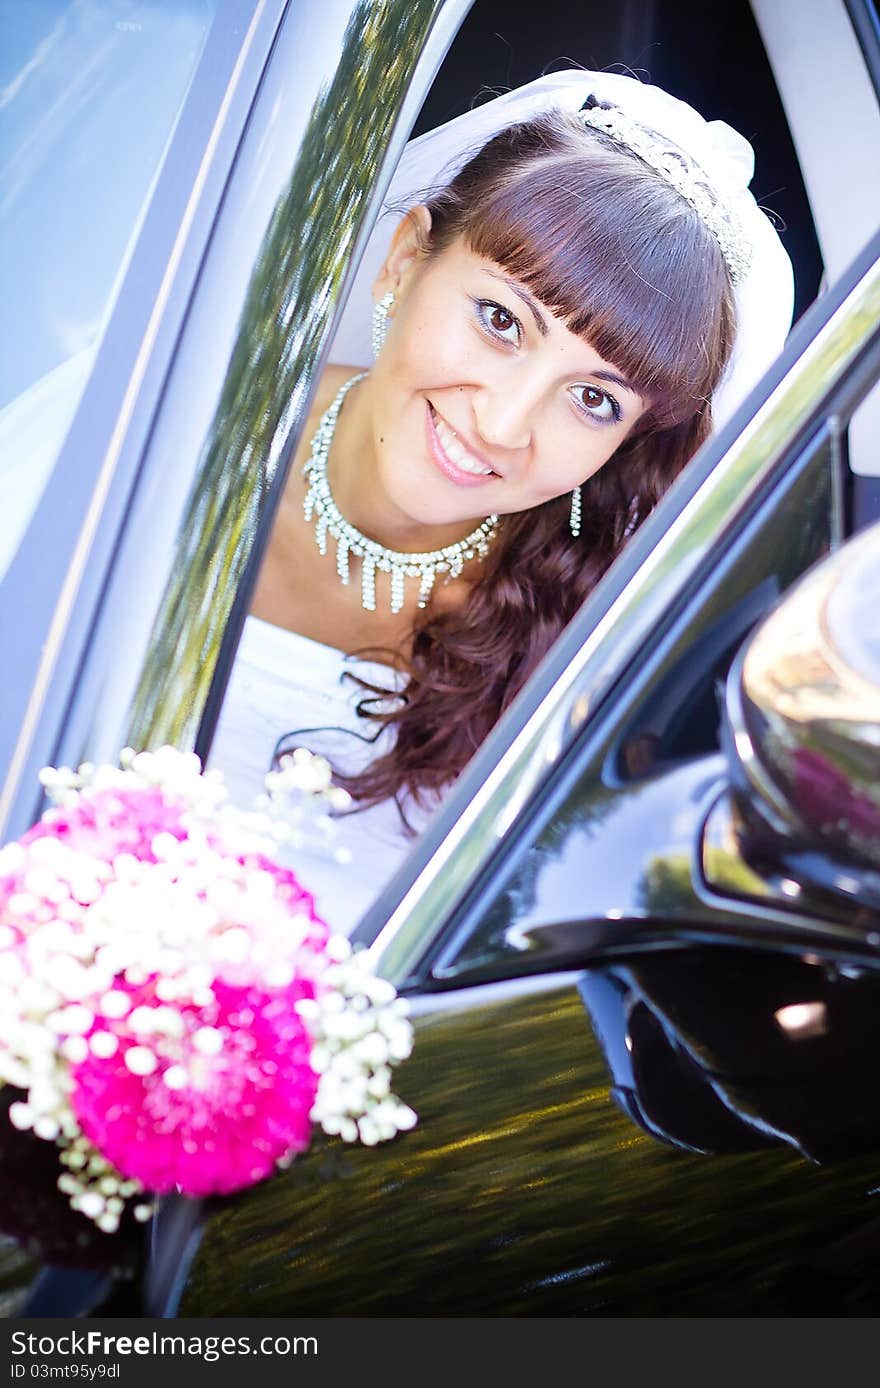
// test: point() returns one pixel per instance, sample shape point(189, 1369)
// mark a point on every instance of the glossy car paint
point(553, 1203)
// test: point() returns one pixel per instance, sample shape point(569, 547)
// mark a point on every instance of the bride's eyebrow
point(542, 324)
point(613, 377)
point(543, 327)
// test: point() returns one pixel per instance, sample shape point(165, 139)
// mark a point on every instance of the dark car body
point(617, 1115)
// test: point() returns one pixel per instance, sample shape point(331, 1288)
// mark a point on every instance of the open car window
point(263, 656)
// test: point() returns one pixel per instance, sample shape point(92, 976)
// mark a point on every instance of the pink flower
point(157, 1001)
point(222, 1103)
point(114, 820)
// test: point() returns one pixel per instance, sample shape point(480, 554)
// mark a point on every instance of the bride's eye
point(498, 321)
point(597, 404)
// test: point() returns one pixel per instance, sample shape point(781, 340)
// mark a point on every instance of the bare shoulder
point(332, 378)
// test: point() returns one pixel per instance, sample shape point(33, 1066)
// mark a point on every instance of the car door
point(571, 934)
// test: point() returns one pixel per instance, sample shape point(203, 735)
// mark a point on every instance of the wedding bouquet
point(173, 1010)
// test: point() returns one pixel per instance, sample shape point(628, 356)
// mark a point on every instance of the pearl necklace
point(349, 540)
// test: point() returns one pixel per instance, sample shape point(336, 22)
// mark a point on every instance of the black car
point(641, 938)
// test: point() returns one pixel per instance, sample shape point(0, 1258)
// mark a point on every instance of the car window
point(306, 179)
point(89, 95)
point(263, 709)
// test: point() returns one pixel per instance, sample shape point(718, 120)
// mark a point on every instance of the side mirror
point(802, 731)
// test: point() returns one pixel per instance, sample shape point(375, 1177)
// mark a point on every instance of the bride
point(584, 286)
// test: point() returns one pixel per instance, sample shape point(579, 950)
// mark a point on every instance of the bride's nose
point(503, 417)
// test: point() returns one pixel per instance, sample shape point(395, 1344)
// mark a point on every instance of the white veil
point(764, 297)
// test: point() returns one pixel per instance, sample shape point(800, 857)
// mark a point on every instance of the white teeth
point(456, 452)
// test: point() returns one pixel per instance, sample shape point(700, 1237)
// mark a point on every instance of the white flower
point(208, 1040)
point(379, 1083)
point(140, 1060)
point(115, 1003)
point(373, 1049)
point(71, 1021)
point(75, 1049)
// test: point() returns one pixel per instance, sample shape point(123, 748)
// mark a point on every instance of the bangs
point(624, 262)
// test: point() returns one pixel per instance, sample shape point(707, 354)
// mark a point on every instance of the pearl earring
point(574, 520)
point(380, 321)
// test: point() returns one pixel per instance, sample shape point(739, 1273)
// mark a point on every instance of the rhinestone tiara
point(682, 173)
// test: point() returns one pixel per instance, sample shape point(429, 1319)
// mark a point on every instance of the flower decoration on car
point(174, 1011)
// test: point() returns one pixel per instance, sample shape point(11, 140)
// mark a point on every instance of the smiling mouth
point(452, 454)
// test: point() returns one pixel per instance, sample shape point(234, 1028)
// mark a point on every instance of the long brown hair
point(615, 252)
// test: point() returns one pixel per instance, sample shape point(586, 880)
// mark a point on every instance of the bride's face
point(482, 399)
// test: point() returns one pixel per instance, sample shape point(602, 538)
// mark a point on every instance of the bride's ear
point(409, 245)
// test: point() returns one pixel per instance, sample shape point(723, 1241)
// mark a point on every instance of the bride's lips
point(442, 459)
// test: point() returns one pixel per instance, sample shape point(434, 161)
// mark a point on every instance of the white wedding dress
point(283, 683)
